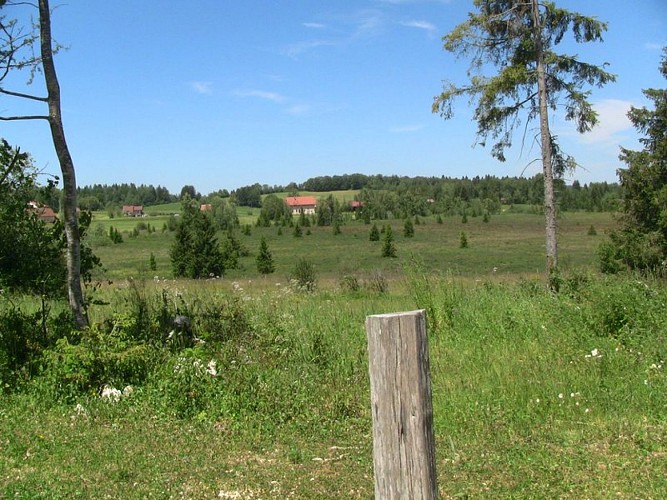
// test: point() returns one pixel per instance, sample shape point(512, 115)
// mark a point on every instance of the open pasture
point(510, 244)
point(535, 394)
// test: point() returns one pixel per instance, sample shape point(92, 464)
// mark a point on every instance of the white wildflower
point(211, 368)
point(79, 409)
point(595, 353)
point(111, 393)
point(128, 390)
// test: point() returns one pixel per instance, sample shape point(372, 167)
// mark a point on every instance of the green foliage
point(224, 214)
point(463, 240)
point(187, 384)
point(641, 241)
point(99, 357)
point(501, 34)
point(304, 275)
point(298, 232)
point(23, 338)
point(388, 246)
point(114, 235)
point(591, 231)
point(408, 228)
point(152, 263)
point(232, 250)
point(31, 250)
point(195, 252)
point(264, 260)
point(282, 376)
point(172, 223)
point(374, 234)
point(274, 209)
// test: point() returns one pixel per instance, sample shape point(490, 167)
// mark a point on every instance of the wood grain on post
point(403, 439)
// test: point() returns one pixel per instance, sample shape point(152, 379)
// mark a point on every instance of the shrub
point(408, 229)
point(377, 282)
point(304, 275)
point(350, 283)
point(463, 240)
point(78, 366)
point(195, 252)
point(374, 234)
point(388, 247)
point(265, 263)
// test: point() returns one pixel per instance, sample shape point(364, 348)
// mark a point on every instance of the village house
point(44, 212)
point(133, 210)
point(301, 204)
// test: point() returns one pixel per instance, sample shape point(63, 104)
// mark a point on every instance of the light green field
point(535, 394)
point(509, 244)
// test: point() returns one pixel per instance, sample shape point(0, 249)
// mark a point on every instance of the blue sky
point(222, 94)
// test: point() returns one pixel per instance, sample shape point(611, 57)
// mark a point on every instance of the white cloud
point(299, 109)
point(202, 87)
point(317, 26)
point(424, 25)
point(612, 120)
point(406, 129)
point(299, 48)
point(262, 94)
point(654, 46)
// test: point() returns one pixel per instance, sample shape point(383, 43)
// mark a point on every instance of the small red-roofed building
point(133, 210)
point(301, 204)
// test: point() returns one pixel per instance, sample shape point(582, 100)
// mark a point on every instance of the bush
point(463, 240)
point(99, 357)
point(195, 252)
point(388, 247)
point(374, 234)
point(265, 263)
point(23, 338)
point(408, 229)
point(304, 275)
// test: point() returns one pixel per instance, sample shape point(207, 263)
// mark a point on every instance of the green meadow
point(510, 244)
point(266, 395)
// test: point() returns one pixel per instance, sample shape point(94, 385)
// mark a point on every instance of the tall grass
point(535, 394)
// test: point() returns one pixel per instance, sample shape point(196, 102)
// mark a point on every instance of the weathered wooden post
point(403, 440)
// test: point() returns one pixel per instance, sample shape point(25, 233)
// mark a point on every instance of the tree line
point(444, 191)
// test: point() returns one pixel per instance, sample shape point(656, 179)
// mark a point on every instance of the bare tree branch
point(26, 117)
point(24, 96)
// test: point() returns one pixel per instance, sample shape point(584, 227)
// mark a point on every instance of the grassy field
point(535, 394)
point(509, 244)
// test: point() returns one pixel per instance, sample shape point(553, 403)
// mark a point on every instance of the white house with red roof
point(301, 204)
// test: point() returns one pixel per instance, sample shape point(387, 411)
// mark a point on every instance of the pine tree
point(408, 228)
point(265, 263)
point(641, 241)
point(195, 252)
point(519, 39)
point(388, 247)
point(374, 234)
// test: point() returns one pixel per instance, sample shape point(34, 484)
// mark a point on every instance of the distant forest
point(436, 191)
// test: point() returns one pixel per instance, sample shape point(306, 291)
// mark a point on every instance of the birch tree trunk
point(74, 290)
point(545, 137)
